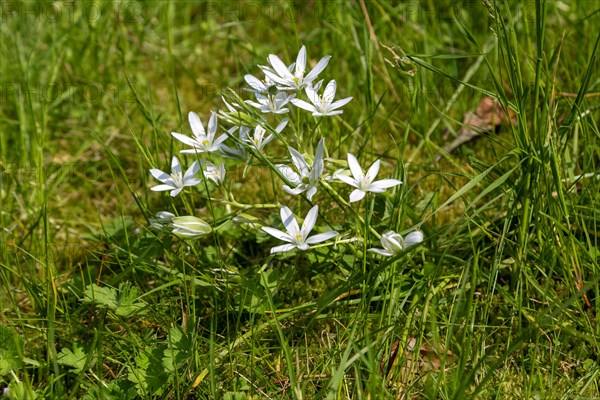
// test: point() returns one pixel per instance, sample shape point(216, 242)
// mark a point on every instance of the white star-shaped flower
point(281, 74)
point(271, 103)
point(202, 142)
point(214, 173)
point(176, 181)
point(393, 243)
point(295, 236)
point(258, 140)
point(364, 182)
point(322, 106)
point(307, 178)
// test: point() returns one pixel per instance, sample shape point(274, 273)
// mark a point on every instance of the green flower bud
point(190, 227)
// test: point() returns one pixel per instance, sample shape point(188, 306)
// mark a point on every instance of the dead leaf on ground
point(487, 117)
point(410, 363)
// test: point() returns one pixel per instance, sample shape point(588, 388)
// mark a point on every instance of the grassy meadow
point(487, 111)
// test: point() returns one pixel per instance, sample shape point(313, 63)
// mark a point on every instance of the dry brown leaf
point(487, 117)
point(414, 363)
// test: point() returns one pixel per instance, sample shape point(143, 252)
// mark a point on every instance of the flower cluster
point(283, 85)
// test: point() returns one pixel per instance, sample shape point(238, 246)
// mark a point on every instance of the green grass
point(499, 301)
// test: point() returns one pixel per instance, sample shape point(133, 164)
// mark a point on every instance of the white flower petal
point(253, 103)
point(294, 191)
point(160, 175)
point(316, 86)
point(339, 103)
point(195, 150)
point(299, 162)
point(304, 105)
point(311, 192)
point(278, 234)
point(191, 171)
point(192, 181)
point(321, 237)
point(282, 248)
point(289, 221)
point(318, 164)
point(281, 125)
point(196, 124)
point(413, 238)
point(384, 184)
point(327, 114)
point(381, 252)
point(175, 165)
point(267, 140)
point(309, 221)
point(276, 78)
point(300, 62)
point(312, 75)
point(162, 188)
point(346, 179)
point(176, 192)
point(374, 189)
point(312, 95)
point(329, 92)
point(355, 167)
point(279, 67)
point(280, 111)
point(289, 174)
point(356, 195)
point(254, 82)
point(219, 140)
point(373, 171)
point(212, 126)
point(185, 139)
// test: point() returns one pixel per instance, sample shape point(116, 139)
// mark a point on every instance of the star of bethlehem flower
point(176, 181)
point(295, 236)
point(283, 76)
point(214, 173)
point(271, 103)
point(259, 141)
point(322, 105)
point(202, 141)
point(393, 243)
point(365, 182)
point(307, 178)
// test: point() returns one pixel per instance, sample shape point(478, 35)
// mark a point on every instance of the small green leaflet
point(11, 350)
point(75, 358)
point(123, 301)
